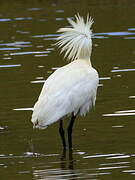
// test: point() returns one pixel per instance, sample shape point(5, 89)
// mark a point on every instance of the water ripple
point(26, 155)
point(9, 49)
point(113, 167)
point(45, 35)
point(15, 43)
point(57, 174)
point(29, 52)
point(118, 126)
point(22, 32)
point(131, 97)
point(23, 109)
point(55, 68)
point(126, 111)
point(104, 78)
point(131, 29)
point(118, 114)
point(22, 18)
point(4, 19)
point(40, 55)
point(119, 157)
point(122, 33)
point(101, 155)
point(11, 65)
point(60, 11)
point(59, 19)
point(3, 128)
point(129, 37)
point(99, 37)
point(129, 171)
point(115, 163)
point(38, 81)
point(34, 9)
point(122, 70)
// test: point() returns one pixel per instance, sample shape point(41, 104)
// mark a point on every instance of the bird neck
point(85, 54)
point(86, 60)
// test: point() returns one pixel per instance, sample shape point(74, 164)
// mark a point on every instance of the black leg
point(61, 131)
point(70, 131)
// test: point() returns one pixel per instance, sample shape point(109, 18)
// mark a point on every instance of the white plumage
point(71, 89)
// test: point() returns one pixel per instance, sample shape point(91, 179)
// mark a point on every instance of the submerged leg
point(61, 131)
point(70, 130)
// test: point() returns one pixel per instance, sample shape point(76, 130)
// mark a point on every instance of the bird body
point(71, 89)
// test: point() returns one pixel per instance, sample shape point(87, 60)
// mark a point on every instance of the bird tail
point(76, 41)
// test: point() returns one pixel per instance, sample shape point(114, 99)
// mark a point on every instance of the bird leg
point(70, 131)
point(61, 131)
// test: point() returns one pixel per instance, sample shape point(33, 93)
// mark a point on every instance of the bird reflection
point(71, 161)
point(64, 159)
point(67, 163)
point(65, 167)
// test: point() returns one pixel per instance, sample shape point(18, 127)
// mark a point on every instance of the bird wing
point(69, 89)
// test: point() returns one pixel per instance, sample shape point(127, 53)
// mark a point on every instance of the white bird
point(71, 89)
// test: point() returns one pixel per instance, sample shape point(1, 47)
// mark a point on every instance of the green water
point(104, 140)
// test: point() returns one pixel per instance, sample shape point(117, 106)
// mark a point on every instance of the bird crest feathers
point(76, 40)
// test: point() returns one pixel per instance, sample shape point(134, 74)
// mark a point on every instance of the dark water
point(104, 140)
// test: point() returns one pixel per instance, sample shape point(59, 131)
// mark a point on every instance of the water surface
point(103, 141)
